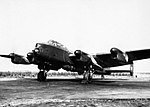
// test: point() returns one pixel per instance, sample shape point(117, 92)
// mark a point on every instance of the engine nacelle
point(18, 59)
point(78, 53)
point(30, 57)
point(119, 55)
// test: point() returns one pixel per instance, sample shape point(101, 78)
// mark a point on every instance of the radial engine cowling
point(30, 56)
point(119, 55)
point(78, 53)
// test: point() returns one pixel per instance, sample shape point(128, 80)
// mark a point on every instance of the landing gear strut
point(102, 76)
point(41, 75)
point(131, 69)
point(87, 76)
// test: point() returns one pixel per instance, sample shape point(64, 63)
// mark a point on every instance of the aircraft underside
point(87, 74)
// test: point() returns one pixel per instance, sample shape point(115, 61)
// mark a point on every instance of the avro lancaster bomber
point(52, 55)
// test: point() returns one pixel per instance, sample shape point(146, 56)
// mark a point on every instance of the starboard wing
point(139, 54)
point(108, 60)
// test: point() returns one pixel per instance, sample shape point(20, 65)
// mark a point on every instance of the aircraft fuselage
point(52, 54)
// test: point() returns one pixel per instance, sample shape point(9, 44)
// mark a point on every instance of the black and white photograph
point(74, 53)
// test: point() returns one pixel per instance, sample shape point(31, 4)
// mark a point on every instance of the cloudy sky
point(93, 26)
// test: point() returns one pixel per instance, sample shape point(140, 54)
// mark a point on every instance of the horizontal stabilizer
point(117, 71)
point(108, 72)
point(120, 71)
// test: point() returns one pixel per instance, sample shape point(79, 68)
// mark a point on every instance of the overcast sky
point(93, 26)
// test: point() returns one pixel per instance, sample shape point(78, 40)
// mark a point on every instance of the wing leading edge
point(139, 54)
point(108, 60)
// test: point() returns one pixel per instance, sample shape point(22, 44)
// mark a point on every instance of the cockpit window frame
point(57, 44)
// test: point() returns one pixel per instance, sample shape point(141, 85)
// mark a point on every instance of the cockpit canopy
point(57, 44)
point(53, 43)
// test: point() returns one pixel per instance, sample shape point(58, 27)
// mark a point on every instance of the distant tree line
point(20, 74)
point(34, 74)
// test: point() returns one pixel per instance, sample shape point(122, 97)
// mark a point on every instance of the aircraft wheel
point(41, 76)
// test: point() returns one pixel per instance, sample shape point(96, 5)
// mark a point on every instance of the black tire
point(41, 76)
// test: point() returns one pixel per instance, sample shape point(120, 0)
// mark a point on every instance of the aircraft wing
point(139, 54)
point(119, 58)
point(106, 60)
point(17, 59)
point(6, 56)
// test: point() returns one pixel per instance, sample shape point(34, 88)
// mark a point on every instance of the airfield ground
point(69, 92)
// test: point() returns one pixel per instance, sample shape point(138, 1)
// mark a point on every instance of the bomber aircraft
point(52, 55)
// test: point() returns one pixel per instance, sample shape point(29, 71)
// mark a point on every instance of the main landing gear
point(87, 76)
point(42, 75)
